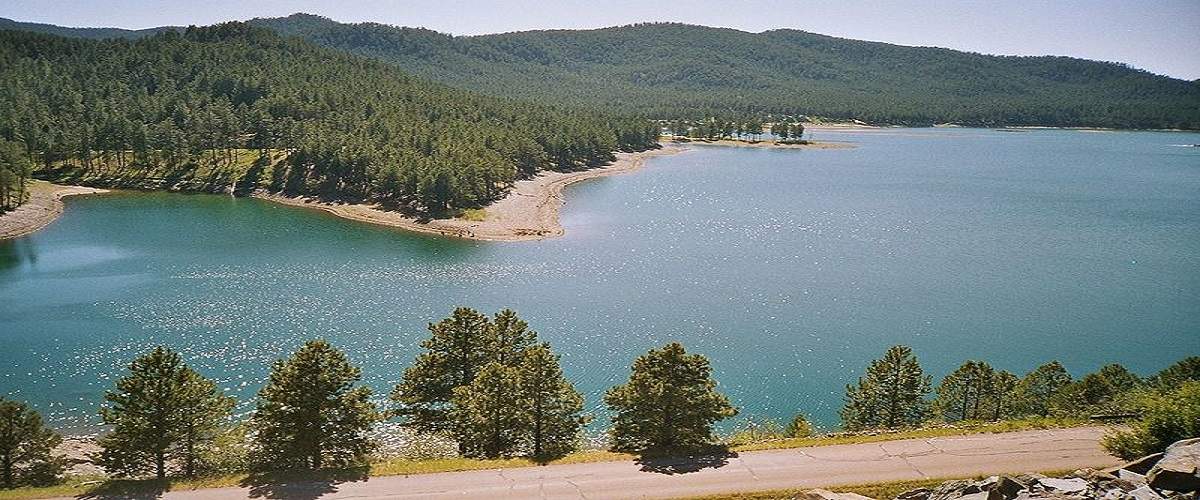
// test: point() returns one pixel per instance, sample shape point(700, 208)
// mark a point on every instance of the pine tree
point(1171, 377)
point(554, 407)
point(310, 414)
point(891, 394)
point(669, 403)
point(26, 447)
point(489, 416)
point(510, 337)
point(457, 349)
point(1039, 386)
point(962, 393)
point(1003, 398)
point(162, 410)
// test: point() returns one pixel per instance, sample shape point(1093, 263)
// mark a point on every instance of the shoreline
point(44, 206)
point(530, 210)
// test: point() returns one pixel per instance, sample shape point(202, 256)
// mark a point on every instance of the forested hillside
point(345, 127)
point(683, 71)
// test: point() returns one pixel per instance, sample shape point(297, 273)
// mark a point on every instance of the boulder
point(1177, 469)
point(828, 495)
point(917, 494)
point(1072, 486)
point(1143, 493)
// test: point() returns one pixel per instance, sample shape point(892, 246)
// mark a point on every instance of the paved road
point(763, 470)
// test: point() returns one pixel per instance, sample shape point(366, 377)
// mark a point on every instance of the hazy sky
point(1160, 36)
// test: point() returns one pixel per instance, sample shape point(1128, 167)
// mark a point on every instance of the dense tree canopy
point(351, 128)
point(682, 71)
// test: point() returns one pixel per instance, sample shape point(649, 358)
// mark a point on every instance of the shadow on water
point(301, 485)
point(16, 252)
point(672, 463)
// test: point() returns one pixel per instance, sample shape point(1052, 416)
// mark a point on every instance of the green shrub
point(799, 427)
point(1166, 418)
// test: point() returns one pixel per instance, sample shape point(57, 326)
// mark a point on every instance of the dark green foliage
point(682, 71)
point(799, 427)
point(1101, 392)
point(963, 394)
point(669, 403)
point(553, 407)
point(488, 415)
point(457, 349)
point(26, 447)
point(891, 394)
point(1166, 417)
point(492, 386)
point(1184, 370)
point(162, 411)
point(310, 414)
point(15, 169)
point(1039, 387)
point(352, 128)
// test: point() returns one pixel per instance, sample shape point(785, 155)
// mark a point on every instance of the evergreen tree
point(669, 403)
point(1171, 377)
point(554, 407)
point(799, 427)
point(510, 337)
point(26, 447)
point(457, 349)
point(1003, 399)
point(489, 416)
point(797, 131)
point(963, 394)
point(162, 410)
point(310, 414)
point(891, 394)
point(1038, 387)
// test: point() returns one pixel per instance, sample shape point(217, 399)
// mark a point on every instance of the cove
point(789, 269)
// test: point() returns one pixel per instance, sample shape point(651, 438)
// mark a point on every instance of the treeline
point(15, 169)
point(492, 386)
point(783, 129)
point(678, 71)
point(350, 128)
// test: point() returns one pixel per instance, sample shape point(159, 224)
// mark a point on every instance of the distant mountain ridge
point(90, 33)
point(670, 70)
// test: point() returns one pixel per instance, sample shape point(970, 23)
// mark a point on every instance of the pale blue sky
point(1160, 36)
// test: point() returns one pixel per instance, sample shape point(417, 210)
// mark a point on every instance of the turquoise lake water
point(789, 269)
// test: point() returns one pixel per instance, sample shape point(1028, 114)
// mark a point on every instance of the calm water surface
point(789, 269)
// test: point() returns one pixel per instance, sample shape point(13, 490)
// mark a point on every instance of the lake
point(789, 269)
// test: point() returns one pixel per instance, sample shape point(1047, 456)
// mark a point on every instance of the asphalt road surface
point(958, 456)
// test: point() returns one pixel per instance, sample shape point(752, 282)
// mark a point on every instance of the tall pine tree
point(891, 394)
point(163, 410)
point(670, 403)
point(554, 407)
point(310, 414)
point(26, 447)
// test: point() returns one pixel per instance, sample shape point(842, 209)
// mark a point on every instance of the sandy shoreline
point(44, 206)
point(528, 213)
point(530, 210)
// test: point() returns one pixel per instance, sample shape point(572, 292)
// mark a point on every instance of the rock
point(917, 494)
point(1131, 476)
point(1177, 469)
point(1069, 486)
point(828, 495)
point(1143, 493)
point(1141, 466)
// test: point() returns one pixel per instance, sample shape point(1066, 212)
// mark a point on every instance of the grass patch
point(923, 433)
point(473, 214)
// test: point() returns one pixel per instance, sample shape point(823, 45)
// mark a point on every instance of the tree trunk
point(8, 472)
point(160, 465)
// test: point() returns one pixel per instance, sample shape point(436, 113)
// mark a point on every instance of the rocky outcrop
point(1177, 470)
